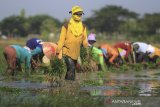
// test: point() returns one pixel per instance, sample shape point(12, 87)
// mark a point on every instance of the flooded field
point(131, 84)
point(93, 88)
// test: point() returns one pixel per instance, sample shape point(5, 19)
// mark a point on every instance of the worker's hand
point(110, 61)
point(34, 64)
point(158, 64)
point(117, 65)
point(78, 66)
point(144, 63)
point(58, 56)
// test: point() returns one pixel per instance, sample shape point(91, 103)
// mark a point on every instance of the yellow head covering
point(75, 23)
point(76, 9)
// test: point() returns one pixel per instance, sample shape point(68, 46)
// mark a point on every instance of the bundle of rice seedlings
point(85, 55)
point(55, 71)
point(57, 67)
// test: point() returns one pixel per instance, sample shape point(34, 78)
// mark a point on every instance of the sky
point(59, 8)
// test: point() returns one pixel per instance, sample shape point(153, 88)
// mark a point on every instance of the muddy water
point(23, 83)
point(144, 83)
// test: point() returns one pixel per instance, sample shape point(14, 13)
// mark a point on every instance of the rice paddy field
point(126, 86)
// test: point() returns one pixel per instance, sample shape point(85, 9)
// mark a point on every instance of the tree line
point(108, 19)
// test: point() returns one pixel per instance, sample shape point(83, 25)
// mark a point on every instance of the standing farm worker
point(140, 52)
point(97, 54)
point(121, 46)
point(15, 55)
point(112, 54)
point(72, 36)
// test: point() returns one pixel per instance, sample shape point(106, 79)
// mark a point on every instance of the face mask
point(76, 18)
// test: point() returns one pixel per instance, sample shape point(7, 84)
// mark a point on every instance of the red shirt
point(124, 45)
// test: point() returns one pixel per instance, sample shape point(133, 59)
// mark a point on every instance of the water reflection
point(128, 84)
point(24, 84)
point(144, 83)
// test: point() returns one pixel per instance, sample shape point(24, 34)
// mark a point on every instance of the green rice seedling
point(131, 89)
point(85, 56)
point(152, 66)
point(9, 89)
point(137, 67)
point(101, 74)
point(55, 70)
point(28, 99)
point(57, 67)
point(157, 74)
point(123, 68)
point(3, 63)
point(92, 83)
point(112, 69)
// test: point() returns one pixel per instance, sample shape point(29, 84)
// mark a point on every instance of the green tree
point(13, 26)
point(48, 26)
point(22, 13)
point(36, 22)
point(152, 22)
point(109, 18)
point(132, 27)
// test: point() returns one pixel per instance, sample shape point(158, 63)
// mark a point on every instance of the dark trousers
point(142, 57)
point(71, 68)
point(154, 59)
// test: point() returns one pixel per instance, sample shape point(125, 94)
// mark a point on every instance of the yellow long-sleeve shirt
point(70, 44)
point(156, 52)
